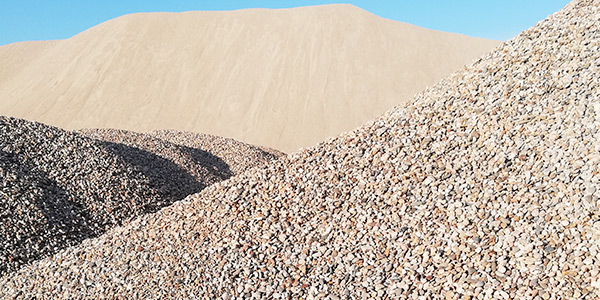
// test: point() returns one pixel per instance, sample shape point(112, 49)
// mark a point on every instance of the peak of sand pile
point(285, 78)
point(59, 188)
point(485, 188)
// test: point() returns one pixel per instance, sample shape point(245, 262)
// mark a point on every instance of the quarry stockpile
point(58, 188)
point(485, 187)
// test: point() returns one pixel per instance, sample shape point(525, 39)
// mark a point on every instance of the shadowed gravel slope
point(60, 187)
point(239, 156)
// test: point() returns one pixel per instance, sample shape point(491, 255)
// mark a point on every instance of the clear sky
point(23, 20)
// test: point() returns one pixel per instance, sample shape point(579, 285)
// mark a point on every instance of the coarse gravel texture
point(239, 156)
point(59, 188)
point(224, 157)
point(485, 188)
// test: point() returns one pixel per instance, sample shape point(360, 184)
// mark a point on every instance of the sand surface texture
point(485, 187)
point(278, 78)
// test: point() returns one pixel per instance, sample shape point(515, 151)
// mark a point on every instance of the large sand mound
point(284, 78)
point(485, 187)
point(58, 187)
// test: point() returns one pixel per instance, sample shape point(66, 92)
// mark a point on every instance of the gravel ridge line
point(485, 188)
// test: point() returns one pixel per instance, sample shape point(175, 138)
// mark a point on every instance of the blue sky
point(23, 20)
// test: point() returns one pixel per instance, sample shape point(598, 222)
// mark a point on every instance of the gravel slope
point(485, 188)
point(58, 187)
point(224, 156)
point(239, 156)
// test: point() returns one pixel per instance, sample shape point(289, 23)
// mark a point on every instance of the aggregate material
point(225, 156)
point(486, 187)
point(239, 156)
point(58, 188)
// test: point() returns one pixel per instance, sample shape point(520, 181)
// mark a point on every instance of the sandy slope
point(279, 78)
point(14, 57)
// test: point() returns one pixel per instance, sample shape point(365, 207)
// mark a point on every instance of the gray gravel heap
point(58, 187)
point(485, 188)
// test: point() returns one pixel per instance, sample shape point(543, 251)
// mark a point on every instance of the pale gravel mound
point(283, 78)
point(485, 188)
point(239, 156)
point(188, 158)
point(58, 187)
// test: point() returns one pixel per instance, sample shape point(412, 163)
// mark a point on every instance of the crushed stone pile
point(240, 156)
point(485, 188)
point(59, 188)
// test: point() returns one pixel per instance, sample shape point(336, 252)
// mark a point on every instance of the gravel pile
point(58, 188)
point(239, 156)
point(485, 188)
point(222, 156)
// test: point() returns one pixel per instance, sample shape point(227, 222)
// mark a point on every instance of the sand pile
point(486, 187)
point(284, 78)
point(59, 187)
